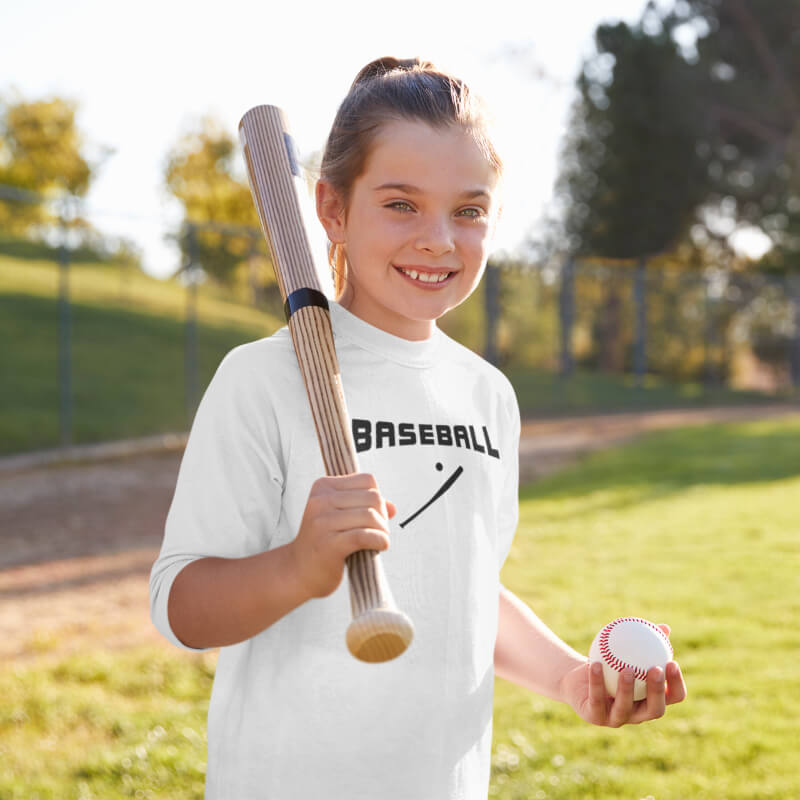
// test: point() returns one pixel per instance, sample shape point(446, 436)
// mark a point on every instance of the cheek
point(477, 242)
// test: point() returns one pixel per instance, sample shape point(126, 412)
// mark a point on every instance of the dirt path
point(79, 539)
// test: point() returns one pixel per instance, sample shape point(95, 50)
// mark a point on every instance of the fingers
point(598, 697)
point(359, 490)
point(350, 510)
point(676, 686)
point(655, 702)
point(663, 688)
point(343, 514)
point(623, 705)
point(359, 529)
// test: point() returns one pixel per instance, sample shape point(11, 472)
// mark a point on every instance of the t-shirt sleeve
point(508, 513)
point(228, 494)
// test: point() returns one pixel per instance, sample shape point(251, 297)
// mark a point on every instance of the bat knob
point(379, 634)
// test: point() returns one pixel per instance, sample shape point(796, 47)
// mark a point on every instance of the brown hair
point(394, 89)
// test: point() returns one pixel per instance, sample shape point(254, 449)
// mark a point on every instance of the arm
point(215, 602)
point(529, 654)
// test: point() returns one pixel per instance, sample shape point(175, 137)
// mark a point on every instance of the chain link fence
point(715, 327)
point(735, 329)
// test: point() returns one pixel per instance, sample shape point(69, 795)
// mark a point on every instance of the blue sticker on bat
point(294, 156)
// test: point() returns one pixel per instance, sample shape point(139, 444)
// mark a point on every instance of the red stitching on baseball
point(616, 663)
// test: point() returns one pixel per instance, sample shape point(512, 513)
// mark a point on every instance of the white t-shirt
point(293, 716)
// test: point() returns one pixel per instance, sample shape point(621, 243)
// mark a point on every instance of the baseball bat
point(378, 631)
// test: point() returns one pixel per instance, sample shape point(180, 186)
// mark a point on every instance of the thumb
point(391, 509)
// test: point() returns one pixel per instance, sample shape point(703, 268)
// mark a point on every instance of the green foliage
point(40, 152)
point(98, 251)
point(686, 128)
point(630, 174)
point(747, 71)
point(224, 234)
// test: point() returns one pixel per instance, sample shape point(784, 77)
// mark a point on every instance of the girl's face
point(417, 228)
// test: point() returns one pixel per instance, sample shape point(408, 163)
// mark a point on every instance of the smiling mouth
point(428, 278)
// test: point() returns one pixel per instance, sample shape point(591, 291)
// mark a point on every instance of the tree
point(630, 175)
point(748, 77)
point(201, 172)
point(40, 157)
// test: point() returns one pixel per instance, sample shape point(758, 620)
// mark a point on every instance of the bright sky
point(142, 72)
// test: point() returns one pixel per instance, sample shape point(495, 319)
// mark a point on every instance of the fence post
point(566, 314)
point(491, 297)
point(709, 337)
point(65, 408)
point(190, 344)
point(794, 361)
point(640, 302)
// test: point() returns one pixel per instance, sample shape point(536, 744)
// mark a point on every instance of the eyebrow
point(407, 188)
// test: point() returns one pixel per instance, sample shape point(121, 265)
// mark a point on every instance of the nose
point(435, 236)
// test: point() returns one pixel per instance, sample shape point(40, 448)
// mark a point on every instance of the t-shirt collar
point(403, 351)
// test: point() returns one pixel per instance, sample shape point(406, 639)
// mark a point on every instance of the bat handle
point(379, 630)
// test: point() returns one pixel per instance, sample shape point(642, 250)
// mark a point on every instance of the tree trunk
point(640, 340)
point(611, 355)
point(566, 314)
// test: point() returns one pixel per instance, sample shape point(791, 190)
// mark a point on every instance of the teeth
point(426, 277)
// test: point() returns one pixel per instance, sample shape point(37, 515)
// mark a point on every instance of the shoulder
point(274, 351)
point(253, 371)
point(457, 356)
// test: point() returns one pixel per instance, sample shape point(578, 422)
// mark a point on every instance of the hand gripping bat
point(378, 631)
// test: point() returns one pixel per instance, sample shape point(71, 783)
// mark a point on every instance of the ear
point(330, 210)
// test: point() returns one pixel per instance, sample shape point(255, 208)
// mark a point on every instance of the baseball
point(630, 642)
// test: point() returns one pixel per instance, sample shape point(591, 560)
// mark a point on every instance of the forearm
point(215, 602)
point(527, 652)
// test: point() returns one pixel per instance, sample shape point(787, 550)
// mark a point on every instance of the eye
point(399, 205)
point(472, 212)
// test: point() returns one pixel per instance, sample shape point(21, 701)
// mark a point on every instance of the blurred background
point(648, 254)
point(646, 275)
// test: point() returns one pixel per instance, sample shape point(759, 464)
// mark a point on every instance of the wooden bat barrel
point(378, 631)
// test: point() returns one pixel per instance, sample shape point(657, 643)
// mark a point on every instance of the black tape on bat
point(300, 298)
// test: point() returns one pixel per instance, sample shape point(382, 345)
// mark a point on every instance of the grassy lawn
point(547, 394)
point(695, 527)
point(127, 354)
point(698, 528)
point(105, 726)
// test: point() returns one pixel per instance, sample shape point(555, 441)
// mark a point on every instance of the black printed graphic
point(442, 489)
point(367, 436)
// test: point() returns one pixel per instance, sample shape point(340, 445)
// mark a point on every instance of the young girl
point(255, 542)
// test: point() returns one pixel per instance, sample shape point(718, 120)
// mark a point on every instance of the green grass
point(105, 726)
point(547, 394)
point(696, 527)
point(128, 352)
